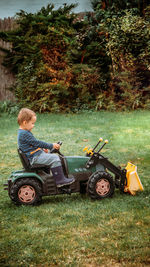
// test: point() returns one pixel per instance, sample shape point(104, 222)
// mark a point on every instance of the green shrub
point(9, 107)
point(127, 34)
point(66, 64)
point(43, 59)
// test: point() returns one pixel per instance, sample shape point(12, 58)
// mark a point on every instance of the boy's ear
point(24, 122)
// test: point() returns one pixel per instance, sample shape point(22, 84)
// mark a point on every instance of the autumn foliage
point(63, 63)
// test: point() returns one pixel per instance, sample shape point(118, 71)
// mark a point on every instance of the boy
point(33, 148)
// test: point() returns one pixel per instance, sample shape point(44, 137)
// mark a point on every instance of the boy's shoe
point(59, 177)
point(66, 181)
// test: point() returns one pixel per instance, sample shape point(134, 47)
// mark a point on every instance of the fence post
point(7, 78)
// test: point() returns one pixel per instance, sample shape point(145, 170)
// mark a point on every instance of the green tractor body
point(91, 174)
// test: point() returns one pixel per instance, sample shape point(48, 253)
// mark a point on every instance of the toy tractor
point(94, 174)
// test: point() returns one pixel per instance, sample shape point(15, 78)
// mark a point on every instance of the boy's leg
point(60, 179)
point(47, 159)
point(53, 161)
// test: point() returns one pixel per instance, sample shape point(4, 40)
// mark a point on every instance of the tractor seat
point(26, 163)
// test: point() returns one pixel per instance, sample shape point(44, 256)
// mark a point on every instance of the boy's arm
point(32, 141)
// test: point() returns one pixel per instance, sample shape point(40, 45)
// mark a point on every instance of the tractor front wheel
point(26, 191)
point(100, 185)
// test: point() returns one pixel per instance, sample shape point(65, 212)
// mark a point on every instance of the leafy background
point(65, 63)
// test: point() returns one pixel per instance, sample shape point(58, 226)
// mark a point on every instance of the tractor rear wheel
point(100, 185)
point(26, 191)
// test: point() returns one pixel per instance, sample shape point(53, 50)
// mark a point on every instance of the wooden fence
point(7, 79)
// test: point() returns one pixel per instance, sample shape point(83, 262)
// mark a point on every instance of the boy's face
point(29, 125)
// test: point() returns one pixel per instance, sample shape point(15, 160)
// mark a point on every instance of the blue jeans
point(47, 159)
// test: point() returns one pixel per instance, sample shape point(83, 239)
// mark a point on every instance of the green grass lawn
point(74, 230)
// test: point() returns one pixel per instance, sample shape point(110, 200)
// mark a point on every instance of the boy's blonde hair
point(25, 114)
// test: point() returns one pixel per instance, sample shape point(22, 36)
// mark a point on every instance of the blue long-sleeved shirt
point(28, 143)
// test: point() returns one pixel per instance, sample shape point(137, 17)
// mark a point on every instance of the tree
point(126, 26)
point(41, 57)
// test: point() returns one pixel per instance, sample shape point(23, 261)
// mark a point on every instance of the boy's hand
point(45, 150)
point(56, 146)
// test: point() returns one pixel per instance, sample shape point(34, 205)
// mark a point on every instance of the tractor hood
point(76, 164)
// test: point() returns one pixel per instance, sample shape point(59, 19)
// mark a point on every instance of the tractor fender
point(20, 175)
point(100, 167)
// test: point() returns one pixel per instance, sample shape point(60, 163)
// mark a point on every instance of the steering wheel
point(53, 150)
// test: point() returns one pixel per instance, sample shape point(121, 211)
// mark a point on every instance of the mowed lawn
point(74, 230)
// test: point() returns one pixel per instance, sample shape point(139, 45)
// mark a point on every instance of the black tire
point(100, 185)
point(26, 191)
